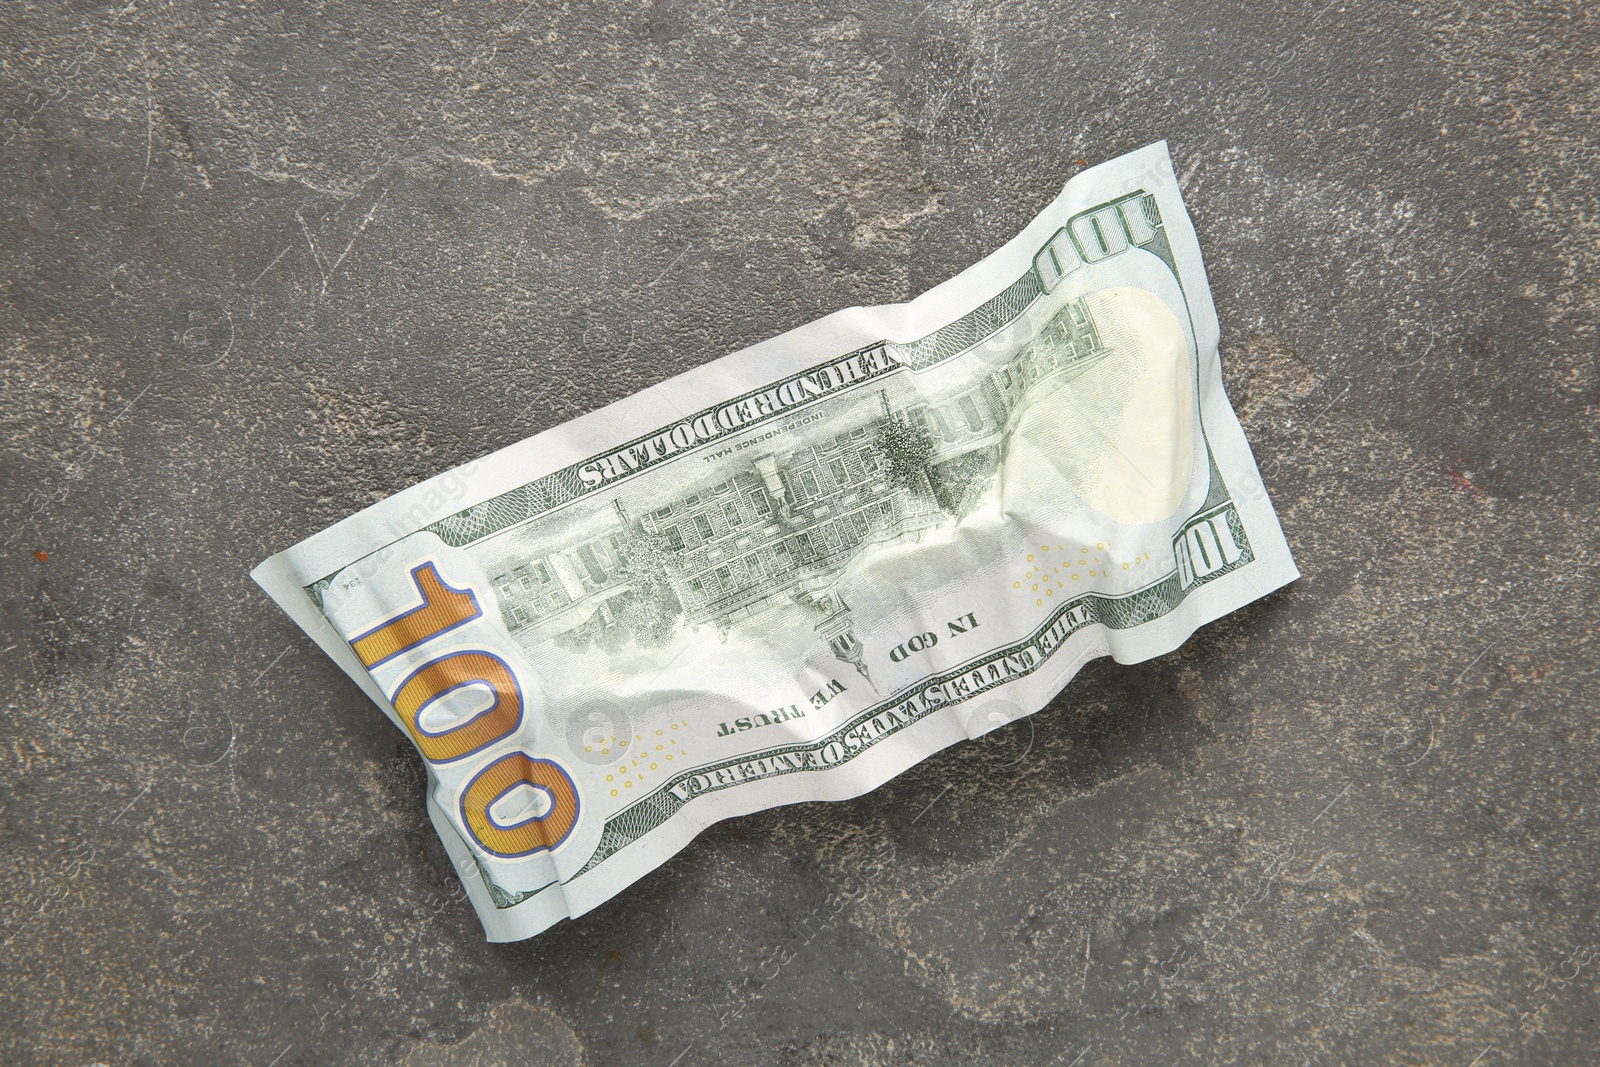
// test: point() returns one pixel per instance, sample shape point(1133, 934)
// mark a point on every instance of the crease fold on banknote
point(796, 571)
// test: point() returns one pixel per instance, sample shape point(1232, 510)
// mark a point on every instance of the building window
point(758, 500)
point(730, 511)
point(703, 525)
point(752, 564)
point(662, 513)
point(541, 572)
point(946, 431)
point(836, 468)
point(725, 576)
point(869, 461)
point(808, 483)
point(858, 522)
point(691, 500)
point(520, 615)
point(780, 552)
point(591, 564)
point(699, 587)
point(802, 545)
point(969, 411)
point(831, 533)
point(722, 487)
point(674, 539)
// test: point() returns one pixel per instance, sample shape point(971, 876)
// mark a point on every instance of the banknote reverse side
point(794, 572)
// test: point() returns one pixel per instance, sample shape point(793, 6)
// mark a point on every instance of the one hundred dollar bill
point(794, 572)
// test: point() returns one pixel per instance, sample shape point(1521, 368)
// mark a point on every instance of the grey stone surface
point(266, 263)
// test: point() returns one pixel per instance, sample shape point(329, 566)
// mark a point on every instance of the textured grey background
point(266, 263)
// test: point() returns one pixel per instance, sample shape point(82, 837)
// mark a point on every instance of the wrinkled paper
point(790, 574)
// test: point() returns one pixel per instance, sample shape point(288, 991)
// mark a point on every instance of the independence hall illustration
point(785, 526)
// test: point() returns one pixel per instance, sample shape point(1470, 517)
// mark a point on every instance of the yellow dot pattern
point(647, 755)
point(1062, 570)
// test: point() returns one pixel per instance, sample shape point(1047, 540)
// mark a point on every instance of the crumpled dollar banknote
point(792, 573)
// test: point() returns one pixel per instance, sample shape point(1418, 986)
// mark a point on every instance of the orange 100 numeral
point(443, 608)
